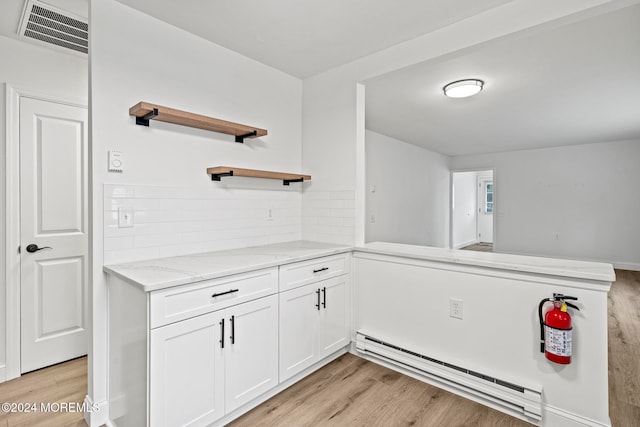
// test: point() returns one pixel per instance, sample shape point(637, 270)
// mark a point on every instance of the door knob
point(34, 248)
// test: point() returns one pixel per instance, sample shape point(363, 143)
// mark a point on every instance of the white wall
point(463, 214)
point(333, 109)
point(576, 202)
point(44, 71)
point(411, 198)
point(135, 58)
point(498, 340)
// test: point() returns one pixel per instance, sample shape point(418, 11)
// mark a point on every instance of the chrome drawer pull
point(321, 269)
point(230, 291)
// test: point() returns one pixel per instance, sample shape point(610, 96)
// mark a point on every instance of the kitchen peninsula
point(204, 338)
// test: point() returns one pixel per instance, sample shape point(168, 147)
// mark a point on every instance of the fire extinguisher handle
point(563, 297)
point(572, 305)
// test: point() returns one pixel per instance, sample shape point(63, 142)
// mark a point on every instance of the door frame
point(12, 218)
point(495, 202)
point(481, 191)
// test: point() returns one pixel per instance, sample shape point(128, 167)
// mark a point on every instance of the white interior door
point(53, 233)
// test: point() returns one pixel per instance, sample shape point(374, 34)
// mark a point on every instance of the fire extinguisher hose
point(542, 322)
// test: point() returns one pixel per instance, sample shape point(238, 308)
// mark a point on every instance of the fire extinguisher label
point(557, 341)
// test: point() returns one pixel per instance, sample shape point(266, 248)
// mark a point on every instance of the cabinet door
point(186, 373)
point(251, 350)
point(298, 329)
point(333, 328)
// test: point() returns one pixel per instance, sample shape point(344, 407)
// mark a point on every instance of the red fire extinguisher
point(555, 329)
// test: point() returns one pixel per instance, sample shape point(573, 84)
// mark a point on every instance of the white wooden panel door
point(333, 330)
point(251, 351)
point(186, 372)
point(298, 329)
point(53, 214)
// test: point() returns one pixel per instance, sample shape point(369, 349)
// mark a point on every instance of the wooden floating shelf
point(220, 171)
point(145, 111)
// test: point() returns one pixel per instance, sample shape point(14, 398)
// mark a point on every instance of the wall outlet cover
point(455, 308)
point(125, 217)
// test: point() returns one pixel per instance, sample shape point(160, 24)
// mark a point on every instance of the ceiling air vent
point(50, 25)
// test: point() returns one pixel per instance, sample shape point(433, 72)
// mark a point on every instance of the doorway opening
point(472, 210)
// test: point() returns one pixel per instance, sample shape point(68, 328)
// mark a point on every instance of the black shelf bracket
point(144, 121)
point(240, 138)
point(217, 176)
point(288, 181)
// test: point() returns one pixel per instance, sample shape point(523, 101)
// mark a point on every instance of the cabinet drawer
point(302, 273)
point(182, 302)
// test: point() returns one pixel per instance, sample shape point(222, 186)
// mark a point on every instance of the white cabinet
point(187, 373)
point(204, 367)
point(202, 353)
point(251, 351)
point(313, 324)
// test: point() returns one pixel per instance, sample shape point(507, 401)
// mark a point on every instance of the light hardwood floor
point(66, 382)
point(354, 392)
point(481, 247)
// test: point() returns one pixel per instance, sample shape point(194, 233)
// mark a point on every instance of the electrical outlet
point(455, 308)
point(125, 217)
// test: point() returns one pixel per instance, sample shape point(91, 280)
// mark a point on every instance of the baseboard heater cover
point(513, 398)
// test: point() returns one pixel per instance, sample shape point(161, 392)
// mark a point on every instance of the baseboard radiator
point(507, 396)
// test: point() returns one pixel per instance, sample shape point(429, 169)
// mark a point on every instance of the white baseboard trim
point(3, 373)
point(556, 416)
point(626, 266)
point(96, 414)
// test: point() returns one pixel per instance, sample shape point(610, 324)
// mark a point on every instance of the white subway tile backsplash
point(329, 216)
point(342, 195)
point(173, 221)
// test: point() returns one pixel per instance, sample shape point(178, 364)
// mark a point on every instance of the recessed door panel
point(60, 296)
point(59, 151)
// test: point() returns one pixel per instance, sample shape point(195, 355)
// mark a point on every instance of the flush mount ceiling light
point(463, 88)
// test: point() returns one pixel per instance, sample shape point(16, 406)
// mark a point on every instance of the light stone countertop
point(160, 273)
point(596, 271)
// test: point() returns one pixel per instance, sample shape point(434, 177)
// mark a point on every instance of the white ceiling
point(556, 85)
point(559, 84)
point(304, 38)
